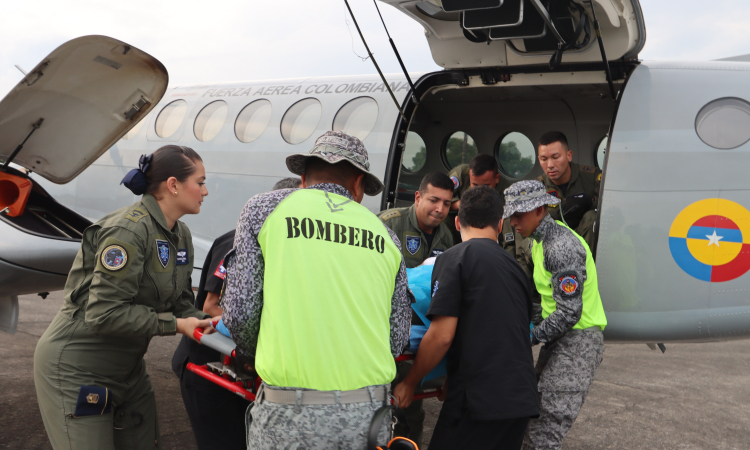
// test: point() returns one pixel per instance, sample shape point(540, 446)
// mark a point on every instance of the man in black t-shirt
point(480, 312)
point(216, 414)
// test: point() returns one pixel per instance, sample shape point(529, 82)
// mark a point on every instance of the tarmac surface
point(694, 396)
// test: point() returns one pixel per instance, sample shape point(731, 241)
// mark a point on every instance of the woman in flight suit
point(130, 282)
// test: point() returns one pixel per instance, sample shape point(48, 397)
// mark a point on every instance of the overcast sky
point(220, 41)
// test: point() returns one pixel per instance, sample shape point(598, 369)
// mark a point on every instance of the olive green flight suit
point(129, 283)
point(509, 238)
point(584, 181)
point(403, 222)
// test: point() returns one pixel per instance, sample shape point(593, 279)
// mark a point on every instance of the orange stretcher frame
point(240, 387)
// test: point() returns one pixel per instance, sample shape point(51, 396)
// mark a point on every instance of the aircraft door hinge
point(137, 106)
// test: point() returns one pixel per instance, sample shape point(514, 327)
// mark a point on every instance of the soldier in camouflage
point(330, 281)
point(565, 277)
point(576, 186)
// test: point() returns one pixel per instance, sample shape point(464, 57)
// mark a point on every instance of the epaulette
point(540, 178)
point(587, 169)
point(135, 214)
point(387, 215)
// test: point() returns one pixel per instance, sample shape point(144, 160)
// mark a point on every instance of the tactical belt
point(367, 394)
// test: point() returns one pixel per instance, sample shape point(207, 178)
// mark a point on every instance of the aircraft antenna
point(604, 55)
point(398, 56)
point(375, 63)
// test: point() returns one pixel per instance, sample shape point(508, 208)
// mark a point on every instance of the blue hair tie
point(135, 180)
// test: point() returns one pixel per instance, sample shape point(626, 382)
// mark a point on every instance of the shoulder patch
point(114, 258)
point(387, 215)
point(135, 214)
point(568, 284)
point(509, 237)
point(599, 178)
point(456, 182)
point(587, 169)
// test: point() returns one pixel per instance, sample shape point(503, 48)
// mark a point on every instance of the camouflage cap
point(527, 195)
point(334, 147)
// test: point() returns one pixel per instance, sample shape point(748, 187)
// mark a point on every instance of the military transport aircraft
point(673, 246)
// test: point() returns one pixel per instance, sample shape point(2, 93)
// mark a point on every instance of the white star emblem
point(714, 239)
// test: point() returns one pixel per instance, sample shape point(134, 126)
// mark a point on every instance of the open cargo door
point(492, 33)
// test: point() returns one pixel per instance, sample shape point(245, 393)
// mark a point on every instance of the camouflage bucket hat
point(525, 196)
point(333, 147)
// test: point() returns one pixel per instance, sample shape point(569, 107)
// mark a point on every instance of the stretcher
point(226, 374)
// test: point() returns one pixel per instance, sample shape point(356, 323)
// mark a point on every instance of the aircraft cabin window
point(253, 120)
point(459, 149)
point(170, 118)
point(415, 153)
point(515, 155)
point(601, 150)
point(300, 120)
point(724, 123)
point(357, 117)
point(209, 121)
point(133, 131)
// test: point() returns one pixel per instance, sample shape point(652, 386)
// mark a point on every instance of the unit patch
point(509, 237)
point(162, 251)
point(568, 284)
point(182, 257)
point(456, 183)
point(553, 193)
point(599, 178)
point(221, 271)
point(114, 257)
point(413, 243)
point(434, 290)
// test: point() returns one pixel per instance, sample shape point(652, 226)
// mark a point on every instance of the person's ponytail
point(168, 161)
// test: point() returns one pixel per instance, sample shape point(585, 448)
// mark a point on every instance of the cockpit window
point(515, 155)
point(357, 117)
point(724, 123)
point(601, 150)
point(300, 120)
point(415, 153)
point(459, 149)
point(253, 120)
point(209, 121)
point(170, 118)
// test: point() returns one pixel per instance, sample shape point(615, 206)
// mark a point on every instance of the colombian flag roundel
point(710, 240)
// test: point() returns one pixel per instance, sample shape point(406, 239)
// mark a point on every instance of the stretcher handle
point(226, 384)
point(198, 335)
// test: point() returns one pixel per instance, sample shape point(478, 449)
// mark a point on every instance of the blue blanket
point(420, 280)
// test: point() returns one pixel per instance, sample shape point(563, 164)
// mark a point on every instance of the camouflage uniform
point(584, 183)
point(511, 241)
point(311, 427)
point(274, 425)
point(570, 357)
point(129, 283)
point(403, 222)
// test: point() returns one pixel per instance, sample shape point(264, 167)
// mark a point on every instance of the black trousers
point(465, 433)
point(216, 415)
